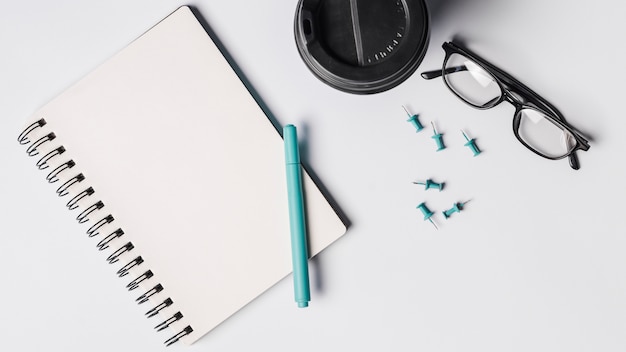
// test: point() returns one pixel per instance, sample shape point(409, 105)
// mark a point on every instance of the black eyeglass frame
point(516, 93)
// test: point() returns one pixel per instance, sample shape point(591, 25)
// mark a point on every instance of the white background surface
point(535, 262)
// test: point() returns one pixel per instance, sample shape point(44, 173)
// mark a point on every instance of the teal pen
point(297, 222)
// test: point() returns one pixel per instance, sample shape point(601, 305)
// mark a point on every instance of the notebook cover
point(191, 169)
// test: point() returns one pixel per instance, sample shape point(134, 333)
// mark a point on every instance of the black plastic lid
point(362, 46)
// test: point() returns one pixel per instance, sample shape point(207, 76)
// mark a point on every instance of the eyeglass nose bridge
point(513, 97)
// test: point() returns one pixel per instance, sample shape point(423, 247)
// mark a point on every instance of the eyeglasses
point(537, 124)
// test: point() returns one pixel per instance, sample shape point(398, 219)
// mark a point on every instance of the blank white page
point(191, 169)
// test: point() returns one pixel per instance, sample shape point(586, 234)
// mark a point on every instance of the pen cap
point(290, 135)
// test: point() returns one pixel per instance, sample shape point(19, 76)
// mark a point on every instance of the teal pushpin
point(438, 137)
point(427, 213)
point(431, 184)
point(456, 208)
point(471, 143)
point(413, 120)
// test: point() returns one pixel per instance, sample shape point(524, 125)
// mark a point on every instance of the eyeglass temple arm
point(573, 161)
point(437, 73)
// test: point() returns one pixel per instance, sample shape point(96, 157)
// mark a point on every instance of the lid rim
point(368, 79)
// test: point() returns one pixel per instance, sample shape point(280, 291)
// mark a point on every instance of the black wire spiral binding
point(63, 189)
point(32, 149)
point(126, 268)
point(104, 244)
point(73, 203)
point(154, 311)
point(23, 137)
point(144, 298)
point(83, 217)
point(114, 257)
point(94, 230)
point(43, 162)
point(176, 317)
point(53, 175)
point(135, 283)
point(186, 331)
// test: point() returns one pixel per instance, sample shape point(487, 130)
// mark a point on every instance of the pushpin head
point(415, 122)
point(427, 214)
point(431, 184)
point(456, 208)
point(424, 209)
point(438, 137)
point(471, 143)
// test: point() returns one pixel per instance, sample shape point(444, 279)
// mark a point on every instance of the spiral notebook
point(173, 168)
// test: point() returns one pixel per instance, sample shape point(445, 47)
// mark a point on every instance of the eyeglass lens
point(541, 134)
point(471, 82)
